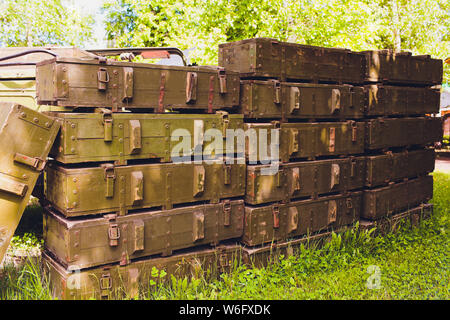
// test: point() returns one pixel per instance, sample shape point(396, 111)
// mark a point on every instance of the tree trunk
point(396, 28)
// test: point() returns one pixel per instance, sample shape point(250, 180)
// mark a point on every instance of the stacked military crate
point(327, 143)
point(348, 143)
point(123, 190)
point(399, 133)
point(309, 95)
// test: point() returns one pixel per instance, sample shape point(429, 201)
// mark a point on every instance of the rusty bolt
point(35, 120)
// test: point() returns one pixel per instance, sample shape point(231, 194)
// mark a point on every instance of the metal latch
point(223, 259)
point(279, 178)
point(331, 146)
point(34, 162)
point(128, 83)
point(225, 122)
point(276, 91)
point(332, 211)
point(295, 180)
point(222, 80)
point(226, 213)
point(114, 234)
point(293, 141)
point(105, 285)
point(349, 203)
point(335, 100)
point(102, 79)
point(110, 176)
point(352, 167)
point(113, 230)
point(294, 101)
point(107, 123)
point(199, 180)
point(354, 130)
point(335, 173)
point(137, 186)
point(198, 227)
point(276, 216)
point(135, 136)
point(227, 174)
point(292, 219)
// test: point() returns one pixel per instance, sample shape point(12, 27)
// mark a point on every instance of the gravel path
point(442, 165)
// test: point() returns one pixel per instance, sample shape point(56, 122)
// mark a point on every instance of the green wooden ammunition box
point(395, 197)
point(117, 282)
point(97, 241)
point(304, 179)
point(106, 188)
point(26, 137)
point(385, 100)
point(304, 140)
point(395, 166)
point(402, 68)
point(278, 222)
point(89, 83)
point(265, 57)
point(275, 99)
point(385, 133)
point(119, 137)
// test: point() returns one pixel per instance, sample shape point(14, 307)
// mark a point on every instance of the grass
point(412, 263)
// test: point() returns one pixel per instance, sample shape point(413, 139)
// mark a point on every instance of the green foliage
point(27, 241)
point(422, 26)
point(31, 23)
point(26, 283)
